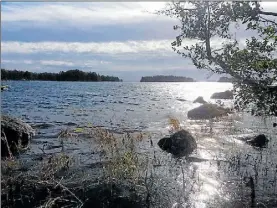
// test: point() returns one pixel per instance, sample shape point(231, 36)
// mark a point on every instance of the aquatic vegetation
point(78, 130)
point(174, 125)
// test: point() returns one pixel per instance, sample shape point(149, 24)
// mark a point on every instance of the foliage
point(161, 78)
point(252, 64)
point(70, 75)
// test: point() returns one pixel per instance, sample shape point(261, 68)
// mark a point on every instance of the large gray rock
point(207, 111)
point(180, 143)
point(15, 135)
point(200, 99)
point(257, 140)
point(223, 95)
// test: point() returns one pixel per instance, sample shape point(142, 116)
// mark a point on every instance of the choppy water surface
point(215, 180)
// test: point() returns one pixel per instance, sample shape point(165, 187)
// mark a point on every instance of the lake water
point(119, 106)
point(146, 107)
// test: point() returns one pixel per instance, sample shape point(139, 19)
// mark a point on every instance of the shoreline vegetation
point(225, 79)
point(70, 75)
point(163, 78)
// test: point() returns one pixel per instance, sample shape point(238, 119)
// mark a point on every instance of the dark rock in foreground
point(15, 135)
point(207, 111)
point(180, 143)
point(257, 140)
point(223, 95)
point(200, 99)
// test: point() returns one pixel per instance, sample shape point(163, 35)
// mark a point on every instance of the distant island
point(70, 75)
point(225, 79)
point(162, 78)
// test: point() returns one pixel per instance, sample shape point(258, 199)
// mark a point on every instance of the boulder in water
point(200, 99)
point(15, 135)
point(228, 94)
point(257, 140)
point(180, 143)
point(207, 111)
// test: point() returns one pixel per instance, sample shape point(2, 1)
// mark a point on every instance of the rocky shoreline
point(126, 168)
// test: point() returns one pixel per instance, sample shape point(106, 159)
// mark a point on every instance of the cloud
point(56, 63)
point(81, 13)
point(84, 21)
point(159, 47)
point(88, 47)
point(118, 37)
point(64, 63)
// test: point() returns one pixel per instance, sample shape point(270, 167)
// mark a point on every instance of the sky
point(123, 39)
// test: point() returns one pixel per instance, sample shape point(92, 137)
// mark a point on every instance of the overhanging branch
point(268, 13)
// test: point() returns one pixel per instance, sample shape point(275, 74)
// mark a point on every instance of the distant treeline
point(70, 75)
point(225, 79)
point(162, 78)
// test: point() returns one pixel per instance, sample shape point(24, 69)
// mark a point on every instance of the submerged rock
point(15, 135)
point(181, 99)
point(223, 95)
point(180, 143)
point(207, 111)
point(200, 99)
point(257, 140)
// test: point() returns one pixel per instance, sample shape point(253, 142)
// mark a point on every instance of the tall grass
point(153, 176)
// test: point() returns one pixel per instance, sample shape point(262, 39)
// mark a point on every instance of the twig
point(65, 188)
point(7, 144)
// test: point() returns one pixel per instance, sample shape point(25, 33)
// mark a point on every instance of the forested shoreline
point(70, 75)
point(162, 78)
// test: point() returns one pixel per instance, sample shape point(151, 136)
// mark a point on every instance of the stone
point(181, 143)
point(15, 135)
point(207, 111)
point(257, 140)
point(200, 99)
point(223, 95)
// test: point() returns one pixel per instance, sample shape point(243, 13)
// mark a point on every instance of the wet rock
point(181, 99)
point(257, 140)
point(207, 111)
point(15, 135)
point(50, 147)
point(200, 99)
point(223, 95)
point(180, 143)
point(70, 124)
point(42, 126)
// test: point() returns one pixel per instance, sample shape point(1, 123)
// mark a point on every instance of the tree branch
point(227, 69)
point(267, 20)
point(267, 13)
